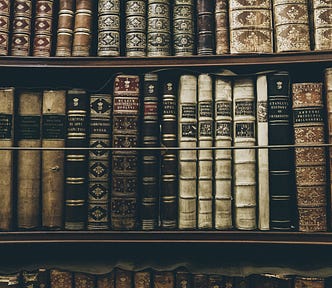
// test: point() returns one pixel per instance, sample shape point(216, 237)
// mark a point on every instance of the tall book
point(108, 28)
point(221, 27)
point(244, 163)
point(205, 27)
point(163, 279)
point(223, 157)
point(105, 280)
point(99, 165)
point(6, 168)
point(250, 26)
point(205, 156)
point(5, 9)
point(142, 279)
point(28, 133)
point(125, 133)
point(53, 136)
point(307, 282)
point(310, 162)
point(61, 278)
point(123, 278)
point(187, 157)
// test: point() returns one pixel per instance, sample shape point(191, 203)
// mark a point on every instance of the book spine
point(123, 278)
point(43, 277)
point(158, 30)
point(6, 168)
point(21, 28)
point(223, 157)
point(310, 165)
point(105, 280)
point(109, 28)
point(200, 280)
point(124, 162)
point(187, 139)
point(183, 278)
point(28, 161)
point(5, 8)
point(244, 163)
point(65, 28)
point(316, 282)
point(215, 281)
point(291, 25)
point(205, 140)
point(163, 279)
point(183, 28)
point(53, 136)
point(83, 280)
point(135, 28)
point(142, 279)
point(61, 278)
point(99, 166)
point(30, 279)
point(221, 27)
point(205, 27)
point(76, 159)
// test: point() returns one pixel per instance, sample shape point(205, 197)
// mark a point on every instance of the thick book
point(205, 27)
point(99, 161)
point(108, 28)
point(308, 282)
point(163, 279)
point(187, 156)
point(83, 280)
point(142, 279)
point(221, 27)
point(12, 280)
point(123, 278)
point(125, 131)
point(244, 163)
point(105, 280)
point(28, 135)
point(310, 162)
point(61, 278)
point(5, 17)
point(53, 136)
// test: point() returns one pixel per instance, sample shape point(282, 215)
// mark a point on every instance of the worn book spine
point(76, 159)
point(183, 278)
point(12, 280)
point(221, 27)
point(30, 279)
point(200, 280)
point(105, 280)
point(310, 162)
point(163, 279)
point(123, 278)
point(205, 157)
point(136, 28)
point(99, 162)
point(7, 111)
point(61, 278)
point(5, 18)
point(43, 277)
point(223, 157)
point(205, 27)
point(125, 133)
point(183, 28)
point(28, 161)
point(83, 280)
point(53, 136)
point(142, 279)
point(244, 163)
point(108, 28)
point(291, 25)
point(215, 281)
point(306, 282)
point(187, 158)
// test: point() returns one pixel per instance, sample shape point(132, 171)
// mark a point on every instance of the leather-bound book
point(84, 280)
point(271, 280)
point(183, 278)
point(5, 9)
point(229, 282)
point(221, 27)
point(322, 24)
point(142, 279)
point(53, 123)
point(158, 30)
point(28, 133)
point(309, 282)
point(76, 160)
point(200, 280)
point(163, 279)
point(125, 133)
point(65, 28)
point(99, 165)
point(205, 27)
point(187, 158)
point(38, 278)
point(183, 28)
point(108, 28)
point(106, 280)
point(215, 281)
point(12, 280)
point(291, 25)
point(61, 278)
point(6, 168)
point(250, 26)
point(244, 163)
point(43, 278)
point(223, 157)
point(123, 278)
point(136, 28)
point(310, 162)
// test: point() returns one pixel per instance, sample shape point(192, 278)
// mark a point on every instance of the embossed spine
point(106, 280)
point(221, 27)
point(322, 24)
point(123, 278)
point(142, 279)
point(163, 279)
point(84, 280)
point(61, 278)
point(5, 9)
point(205, 27)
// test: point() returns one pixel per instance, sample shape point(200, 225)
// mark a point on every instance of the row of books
point(162, 27)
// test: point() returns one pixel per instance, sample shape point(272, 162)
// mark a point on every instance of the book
point(200, 280)
point(221, 27)
point(271, 280)
point(52, 167)
point(5, 9)
point(28, 132)
point(215, 281)
point(61, 278)
point(84, 280)
point(12, 280)
point(125, 131)
point(205, 27)
point(187, 156)
point(244, 159)
point(310, 162)
point(106, 280)
point(30, 278)
point(183, 278)
point(306, 282)
point(108, 28)
point(123, 278)
point(163, 279)
point(142, 279)
point(7, 112)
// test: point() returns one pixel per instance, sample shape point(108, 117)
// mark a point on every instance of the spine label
point(28, 127)
point(6, 124)
point(53, 126)
point(245, 130)
point(308, 115)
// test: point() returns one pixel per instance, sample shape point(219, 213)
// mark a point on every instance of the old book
point(30, 279)
point(142, 279)
point(106, 280)
point(99, 165)
point(200, 280)
point(205, 27)
point(215, 281)
point(309, 282)
point(187, 158)
point(271, 280)
point(183, 28)
point(250, 26)
point(123, 278)
point(322, 24)
point(76, 159)
point(61, 278)
point(43, 277)
point(7, 111)
point(28, 161)
point(108, 28)
point(125, 133)
point(244, 163)
point(205, 157)
point(158, 30)
point(310, 162)
point(221, 27)
point(163, 279)
point(5, 9)
point(241, 282)
point(183, 278)
point(65, 28)
point(21, 28)
point(136, 28)
point(12, 280)
point(84, 280)
point(291, 25)
point(53, 136)
point(223, 157)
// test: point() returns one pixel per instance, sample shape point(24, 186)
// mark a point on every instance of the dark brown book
point(12, 280)
point(105, 280)
point(205, 27)
point(61, 278)
point(221, 27)
point(84, 280)
point(163, 279)
point(123, 278)
point(142, 279)
point(5, 9)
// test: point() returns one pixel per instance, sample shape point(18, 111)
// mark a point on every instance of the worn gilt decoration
point(4, 26)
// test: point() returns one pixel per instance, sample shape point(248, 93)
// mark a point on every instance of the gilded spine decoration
point(5, 6)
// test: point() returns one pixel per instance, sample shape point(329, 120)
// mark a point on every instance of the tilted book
point(61, 278)
point(105, 280)
point(163, 279)
point(221, 27)
point(83, 280)
point(310, 162)
point(205, 27)
point(142, 278)
point(303, 281)
point(5, 9)
point(123, 278)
